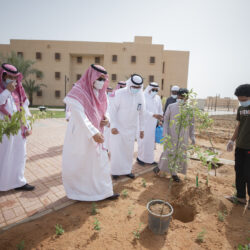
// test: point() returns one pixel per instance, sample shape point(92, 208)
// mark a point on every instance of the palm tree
point(30, 87)
point(25, 67)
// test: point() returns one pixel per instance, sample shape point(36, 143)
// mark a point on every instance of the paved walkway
point(43, 169)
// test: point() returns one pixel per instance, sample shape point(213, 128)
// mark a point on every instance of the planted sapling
point(137, 232)
point(94, 209)
point(221, 216)
point(144, 184)
point(129, 212)
point(125, 193)
point(97, 225)
point(200, 236)
point(59, 229)
point(20, 246)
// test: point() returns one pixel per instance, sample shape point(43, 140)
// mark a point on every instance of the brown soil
point(160, 209)
point(195, 210)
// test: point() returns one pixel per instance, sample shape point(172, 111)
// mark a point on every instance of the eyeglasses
point(154, 90)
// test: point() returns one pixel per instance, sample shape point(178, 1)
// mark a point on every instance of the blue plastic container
point(158, 134)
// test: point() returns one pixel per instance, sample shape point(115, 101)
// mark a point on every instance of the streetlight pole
point(65, 87)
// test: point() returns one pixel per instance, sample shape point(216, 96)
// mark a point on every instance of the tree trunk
point(31, 99)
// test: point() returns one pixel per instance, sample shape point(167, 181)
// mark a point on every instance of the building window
point(57, 93)
point(78, 76)
point(57, 75)
point(39, 93)
point(133, 59)
point(97, 59)
point(162, 84)
point(114, 58)
point(151, 78)
point(38, 55)
point(152, 59)
point(39, 75)
point(113, 77)
point(20, 54)
point(57, 56)
point(163, 67)
point(79, 59)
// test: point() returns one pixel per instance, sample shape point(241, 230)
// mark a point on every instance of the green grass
point(51, 114)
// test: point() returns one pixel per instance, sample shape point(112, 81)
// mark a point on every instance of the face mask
point(109, 93)
point(245, 104)
point(181, 101)
point(98, 84)
point(174, 96)
point(152, 94)
point(7, 82)
point(134, 91)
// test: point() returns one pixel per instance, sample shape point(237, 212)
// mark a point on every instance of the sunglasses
point(101, 79)
point(154, 90)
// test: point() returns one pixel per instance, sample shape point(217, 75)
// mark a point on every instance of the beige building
point(63, 62)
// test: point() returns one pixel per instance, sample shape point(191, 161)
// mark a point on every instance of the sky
point(216, 32)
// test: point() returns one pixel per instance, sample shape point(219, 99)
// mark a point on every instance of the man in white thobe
point(127, 108)
point(152, 114)
point(85, 165)
point(13, 149)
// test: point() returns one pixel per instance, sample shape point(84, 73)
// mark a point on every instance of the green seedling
point(129, 212)
point(200, 236)
point(94, 209)
point(197, 180)
point(243, 247)
point(20, 246)
point(137, 232)
point(144, 184)
point(97, 225)
point(125, 193)
point(220, 217)
point(59, 229)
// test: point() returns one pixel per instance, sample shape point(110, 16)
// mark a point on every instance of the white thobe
point(12, 150)
point(107, 128)
point(126, 110)
point(147, 144)
point(85, 165)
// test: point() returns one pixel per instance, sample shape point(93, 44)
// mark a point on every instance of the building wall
point(175, 63)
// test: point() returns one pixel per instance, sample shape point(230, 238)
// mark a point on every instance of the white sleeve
point(4, 96)
point(107, 114)
point(27, 113)
point(113, 111)
point(78, 112)
point(84, 121)
point(142, 113)
point(160, 111)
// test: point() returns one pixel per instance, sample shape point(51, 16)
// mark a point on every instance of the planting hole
point(184, 213)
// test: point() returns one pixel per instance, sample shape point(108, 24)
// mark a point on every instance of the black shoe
point(176, 178)
point(25, 187)
point(115, 177)
point(132, 176)
point(156, 170)
point(113, 197)
point(140, 162)
point(154, 163)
